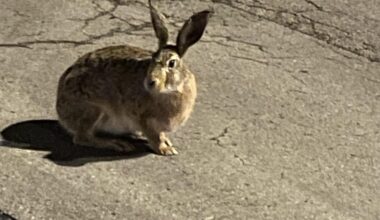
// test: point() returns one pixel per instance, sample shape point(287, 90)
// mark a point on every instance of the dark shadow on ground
point(48, 135)
point(5, 216)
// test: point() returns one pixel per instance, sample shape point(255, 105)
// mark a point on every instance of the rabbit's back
point(99, 74)
point(119, 52)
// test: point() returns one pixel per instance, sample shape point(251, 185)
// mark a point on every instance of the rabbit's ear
point(158, 21)
point(192, 31)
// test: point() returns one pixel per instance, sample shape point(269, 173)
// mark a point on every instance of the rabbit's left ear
point(192, 31)
point(158, 22)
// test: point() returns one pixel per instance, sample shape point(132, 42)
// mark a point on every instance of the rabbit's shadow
point(48, 135)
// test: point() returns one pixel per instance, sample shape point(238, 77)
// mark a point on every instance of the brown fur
point(125, 89)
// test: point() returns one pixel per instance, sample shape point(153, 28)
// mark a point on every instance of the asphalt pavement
point(286, 124)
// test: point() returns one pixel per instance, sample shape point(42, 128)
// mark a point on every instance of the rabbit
point(125, 89)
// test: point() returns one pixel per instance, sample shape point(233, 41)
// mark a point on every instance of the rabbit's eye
point(171, 63)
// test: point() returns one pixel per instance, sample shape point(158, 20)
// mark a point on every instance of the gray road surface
point(286, 125)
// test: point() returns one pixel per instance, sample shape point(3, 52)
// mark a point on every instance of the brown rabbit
point(125, 89)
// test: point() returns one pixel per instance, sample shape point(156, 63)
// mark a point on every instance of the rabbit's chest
point(169, 124)
point(173, 116)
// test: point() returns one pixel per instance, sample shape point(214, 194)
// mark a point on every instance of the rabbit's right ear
point(192, 31)
point(158, 21)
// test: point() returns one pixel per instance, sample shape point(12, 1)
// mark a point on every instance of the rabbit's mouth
point(171, 89)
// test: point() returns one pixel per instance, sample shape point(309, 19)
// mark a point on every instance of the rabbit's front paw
point(166, 148)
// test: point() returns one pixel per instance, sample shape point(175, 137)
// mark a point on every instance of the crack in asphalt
point(308, 26)
point(217, 138)
point(18, 13)
point(241, 160)
point(336, 50)
point(26, 44)
point(315, 5)
point(230, 39)
point(101, 13)
point(251, 59)
point(216, 42)
point(299, 80)
point(110, 12)
point(90, 38)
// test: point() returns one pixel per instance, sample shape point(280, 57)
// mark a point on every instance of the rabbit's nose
point(152, 83)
